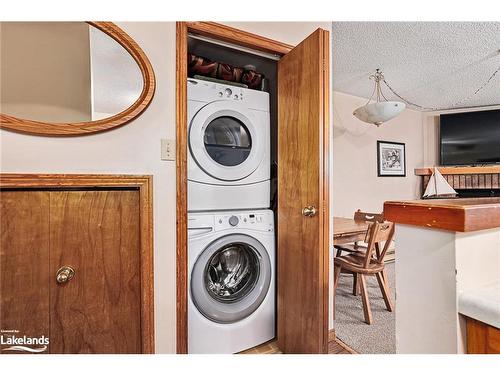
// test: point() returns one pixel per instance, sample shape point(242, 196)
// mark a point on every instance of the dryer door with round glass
point(224, 141)
point(230, 278)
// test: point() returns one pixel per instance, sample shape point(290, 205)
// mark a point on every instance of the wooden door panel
point(24, 264)
point(96, 233)
point(302, 181)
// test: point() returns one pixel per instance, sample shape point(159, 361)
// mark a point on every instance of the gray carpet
point(350, 327)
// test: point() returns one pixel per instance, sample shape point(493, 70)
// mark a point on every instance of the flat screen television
point(470, 138)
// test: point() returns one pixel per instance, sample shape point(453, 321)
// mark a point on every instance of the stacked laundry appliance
point(231, 239)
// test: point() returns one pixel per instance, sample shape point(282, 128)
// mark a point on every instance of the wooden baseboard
point(332, 337)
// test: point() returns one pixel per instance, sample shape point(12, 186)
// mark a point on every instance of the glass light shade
point(379, 112)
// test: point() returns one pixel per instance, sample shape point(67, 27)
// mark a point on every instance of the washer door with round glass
point(230, 278)
point(224, 141)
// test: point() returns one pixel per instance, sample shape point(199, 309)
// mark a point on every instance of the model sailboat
point(438, 187)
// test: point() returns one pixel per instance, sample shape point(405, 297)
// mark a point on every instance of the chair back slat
point(378, 232)
point(368, 216)
point(388, 241)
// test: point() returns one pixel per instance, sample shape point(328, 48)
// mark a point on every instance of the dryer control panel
point(213, 91)
point(230, 93)
point(206, 91)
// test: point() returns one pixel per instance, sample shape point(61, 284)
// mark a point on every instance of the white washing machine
point(231, 280)
point(229, 147)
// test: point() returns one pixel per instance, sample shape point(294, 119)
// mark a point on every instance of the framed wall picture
point(391, 159)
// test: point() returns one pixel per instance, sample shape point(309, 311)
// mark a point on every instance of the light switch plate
point(167, 149)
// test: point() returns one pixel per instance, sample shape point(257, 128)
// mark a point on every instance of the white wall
point(135, 149)
point(433, 267)
point(426, 306)
point(475, 271)
point(355, 182)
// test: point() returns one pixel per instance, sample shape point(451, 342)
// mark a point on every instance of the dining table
point(347, 230)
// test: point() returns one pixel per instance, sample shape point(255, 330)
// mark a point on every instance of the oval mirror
point(70, 78)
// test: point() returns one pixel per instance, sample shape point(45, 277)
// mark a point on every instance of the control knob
point(233, 221)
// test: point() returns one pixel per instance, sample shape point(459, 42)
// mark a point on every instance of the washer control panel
point(205, 223)
point(263, 220)
point(233, 220)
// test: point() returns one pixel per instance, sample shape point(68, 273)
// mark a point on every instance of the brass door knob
point(309, 211)
point(64, 274)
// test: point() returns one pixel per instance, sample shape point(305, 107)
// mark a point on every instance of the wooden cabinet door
point(97, 233)
point(24, 264)
point(303, 132)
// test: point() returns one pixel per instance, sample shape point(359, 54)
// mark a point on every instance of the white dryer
point(229, 147)
point(231, 280)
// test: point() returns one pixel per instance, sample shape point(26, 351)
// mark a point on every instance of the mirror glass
point(64, 72)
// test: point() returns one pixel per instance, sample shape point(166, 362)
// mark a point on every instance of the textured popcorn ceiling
point(433, 64)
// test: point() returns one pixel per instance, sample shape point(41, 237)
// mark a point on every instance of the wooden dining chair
point(359, 216)
point(355, 247)
point(367, 264)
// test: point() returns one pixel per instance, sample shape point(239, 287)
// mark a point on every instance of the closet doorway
point(302, 153)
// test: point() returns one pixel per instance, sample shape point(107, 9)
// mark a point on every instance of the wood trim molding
point(181, 194)
point(81, 128)
point(243, 38)
point(227, 34)
point(325, 179)
point(460, 215)
point(492, 169)
point(333, 337)
point(145, 186)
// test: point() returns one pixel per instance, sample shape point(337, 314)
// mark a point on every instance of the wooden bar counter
point(461, 215)
point(444, 248)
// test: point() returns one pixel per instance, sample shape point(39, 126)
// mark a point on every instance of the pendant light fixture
point(380, 111)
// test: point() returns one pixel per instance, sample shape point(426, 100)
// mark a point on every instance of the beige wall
point(45, 70)
point(355, 182)
point(135, 148)
point(131, 149)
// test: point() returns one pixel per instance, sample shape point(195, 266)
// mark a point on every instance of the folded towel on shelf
point(201, 66)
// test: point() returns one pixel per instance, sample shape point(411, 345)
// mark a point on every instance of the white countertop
point(482, 304)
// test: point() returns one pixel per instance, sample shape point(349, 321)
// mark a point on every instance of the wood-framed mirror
point(71, 78)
